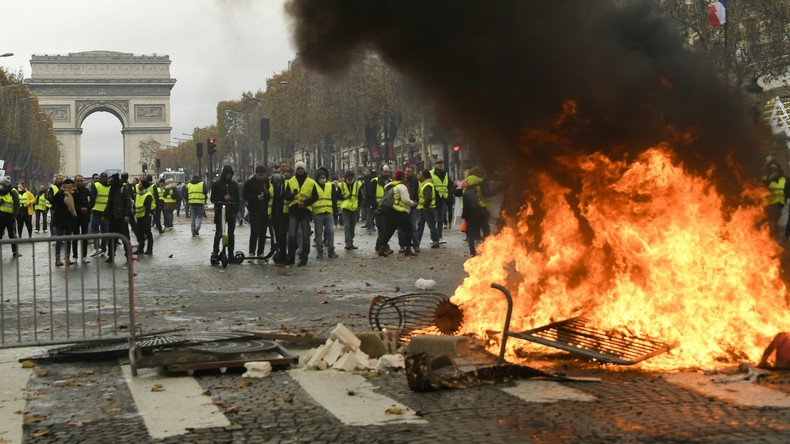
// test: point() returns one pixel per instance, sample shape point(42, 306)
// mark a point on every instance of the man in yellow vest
point(42, 206)
point(196, 199)
point(777, 184)
point(426, 206)
point(301, 194)
point(24, 217)
point(441, 182)
point(144, 206)
point(323, 217)
point(375, 194)
point(350, 196)
point(9, 206)
point(100, 193)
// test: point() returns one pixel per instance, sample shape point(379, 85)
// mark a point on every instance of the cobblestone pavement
point(177, 288)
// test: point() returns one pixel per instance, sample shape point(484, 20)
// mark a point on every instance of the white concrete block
point(363, 360)
point(318, 356)
point(347, 362)
point(346, 336)
point(391, 361)
point(333, 352)
point(257, 369)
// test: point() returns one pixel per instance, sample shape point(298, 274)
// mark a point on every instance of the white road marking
point(179, 406)
point(538, 391)
point(351, 398)
point(12, 402)
point(744, 393)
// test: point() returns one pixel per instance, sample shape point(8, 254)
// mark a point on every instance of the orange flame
point(666, 262)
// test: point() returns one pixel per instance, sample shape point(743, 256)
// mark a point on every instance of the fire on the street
point(664, 261)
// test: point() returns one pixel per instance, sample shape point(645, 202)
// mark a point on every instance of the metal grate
point(577, 336)
point(428, 312)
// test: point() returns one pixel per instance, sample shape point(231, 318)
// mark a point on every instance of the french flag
point(717, 13)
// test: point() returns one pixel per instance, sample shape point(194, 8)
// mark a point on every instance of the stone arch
point(135, 89)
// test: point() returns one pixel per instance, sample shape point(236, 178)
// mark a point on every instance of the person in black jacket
point(256, 194)
point(225, 191)
point(118, 213)
point(82, 201)
point(64, 216)
point(302, 193)
point(279, 218)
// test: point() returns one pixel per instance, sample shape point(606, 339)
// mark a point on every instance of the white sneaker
point(85, 260)
point(37, 231)
point(95, 253)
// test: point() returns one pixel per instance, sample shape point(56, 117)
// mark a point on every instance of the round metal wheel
point(214, 261)
point(239, 257)
point(223, 258)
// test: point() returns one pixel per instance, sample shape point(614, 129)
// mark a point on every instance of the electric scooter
point(240, 257)
point(223, 255)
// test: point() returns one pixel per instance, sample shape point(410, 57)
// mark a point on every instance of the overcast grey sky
point(217, 48)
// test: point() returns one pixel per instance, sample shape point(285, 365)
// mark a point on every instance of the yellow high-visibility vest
point(421, 202)
point(350, 195)
point(440, 185)
point(102, 196)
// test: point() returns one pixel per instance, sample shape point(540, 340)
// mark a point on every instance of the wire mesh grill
point(430, 313)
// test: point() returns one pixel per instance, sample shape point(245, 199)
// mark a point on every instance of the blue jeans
point(427, 215)
point(196, 217)
point(168, 215)
point(298, 222)
point(402, 235)
point(349, 225)
point(324, 230)
point(99, 226)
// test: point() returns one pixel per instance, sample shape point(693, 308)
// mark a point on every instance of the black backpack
point(389, 198)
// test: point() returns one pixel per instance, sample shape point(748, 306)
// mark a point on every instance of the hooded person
point(301, 194)
point(278, 213)
point(118, 213)
point(225, 192)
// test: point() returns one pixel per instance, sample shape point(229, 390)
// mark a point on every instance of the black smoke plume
point(506, 69)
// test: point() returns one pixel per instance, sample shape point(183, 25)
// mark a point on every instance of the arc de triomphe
point(135, 89)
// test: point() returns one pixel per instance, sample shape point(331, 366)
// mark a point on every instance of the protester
point(301, 194)
point(225, 191)
point(777, 186)
point(350, 195)
point(24, 216)
point(196, 201)
point(256, 194)
point(42, 207)
point(169, 203)
point(118, 213)
point(64, 217)
point(9, 207)
point(427, 211)
point(397, 217)
point(323, 218)
point(440, 180)
point(278, 215)
point(413, 186)
point(100, 193)
point(82, 201)
point(375, 194)
point(144, 207)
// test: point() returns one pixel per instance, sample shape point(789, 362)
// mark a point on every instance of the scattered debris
point(425, 284)
point(747, 373)
point(257, 369)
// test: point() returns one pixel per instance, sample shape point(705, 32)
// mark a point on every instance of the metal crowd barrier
point(44, 304)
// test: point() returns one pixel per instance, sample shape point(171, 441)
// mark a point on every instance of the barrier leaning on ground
point(44, 304)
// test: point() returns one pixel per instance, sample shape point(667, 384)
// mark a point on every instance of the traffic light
point(199, 150)
point(456, 153)
point(145, 167)
point(158, 163)
point(212, 145)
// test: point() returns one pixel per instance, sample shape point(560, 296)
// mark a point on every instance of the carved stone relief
point(149, 113)
point(57, 112)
